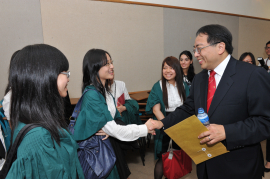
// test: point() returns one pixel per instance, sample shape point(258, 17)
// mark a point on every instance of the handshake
point(214, 134)
point(152, 125)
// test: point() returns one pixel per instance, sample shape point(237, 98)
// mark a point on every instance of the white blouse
point(110, 104)
point(6, 104)
point(117, 89)
point(174, 99)
point(129, 132)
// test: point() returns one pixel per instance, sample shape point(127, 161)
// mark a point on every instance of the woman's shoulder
point(36, 137)
point(37, 131)
point(154, 98)
point(90, 88)
point(157, 86)
point(40, 156)
point(92, 93)
point(35, 143)
point(40, 139)
point(155, 91)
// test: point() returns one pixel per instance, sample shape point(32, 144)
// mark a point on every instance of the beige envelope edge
point(185, 134)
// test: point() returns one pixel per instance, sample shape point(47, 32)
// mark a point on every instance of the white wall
point(20, 26)
point(132, 34)
point(254, 8)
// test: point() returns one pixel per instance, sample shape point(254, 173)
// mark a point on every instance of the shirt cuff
point(143, 130)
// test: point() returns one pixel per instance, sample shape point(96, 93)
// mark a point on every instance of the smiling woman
point(98, 111)
point(166, 95)
point(38, 86)
point(186, 63)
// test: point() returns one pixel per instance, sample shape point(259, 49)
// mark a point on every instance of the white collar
point(169, 84)
point(222, 66)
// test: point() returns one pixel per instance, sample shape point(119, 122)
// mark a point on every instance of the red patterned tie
point(211, 88)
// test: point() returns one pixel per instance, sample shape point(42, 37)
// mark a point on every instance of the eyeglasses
point(66, 73)
point(108, 64)
point(267, 48)
point(198, 50)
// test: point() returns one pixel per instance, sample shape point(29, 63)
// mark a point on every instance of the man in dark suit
point(235, 96)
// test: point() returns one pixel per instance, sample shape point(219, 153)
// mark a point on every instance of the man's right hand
point(155, 124)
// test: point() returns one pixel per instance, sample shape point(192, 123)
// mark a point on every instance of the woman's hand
point(120, 107)
point(101, 132)
point(150, 127)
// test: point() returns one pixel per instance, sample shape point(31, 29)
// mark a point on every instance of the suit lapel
point(223, 86)
point(203, 90)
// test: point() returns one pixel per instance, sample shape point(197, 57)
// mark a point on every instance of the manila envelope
point(185, 134)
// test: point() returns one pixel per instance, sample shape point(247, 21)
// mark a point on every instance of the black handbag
point(96, 156)
point(12, 153)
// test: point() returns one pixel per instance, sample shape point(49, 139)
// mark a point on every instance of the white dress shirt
point(117, 89)
point(129, 132)
point(220, 69)
point(174, 99)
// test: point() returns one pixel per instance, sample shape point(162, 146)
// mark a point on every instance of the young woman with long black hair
point(98, 109)
point(166, 95)
point(38, 80)
point(186, 63)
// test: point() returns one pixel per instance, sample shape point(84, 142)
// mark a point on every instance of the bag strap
point(3, 126)
point(170, 146)
point(12, 153)
point(76, 112)
point(77, 108)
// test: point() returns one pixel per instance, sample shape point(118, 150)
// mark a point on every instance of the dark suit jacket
point(242, 104)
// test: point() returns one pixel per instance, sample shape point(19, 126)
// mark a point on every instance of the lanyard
point(114, 89)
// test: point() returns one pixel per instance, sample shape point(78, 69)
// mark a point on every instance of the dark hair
point(217, 33)
point(267, 43)
point(93, 60)
point(35, 97)
point(174, 63)
point(244, 55)
point(11, 62)
point(190, 74)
